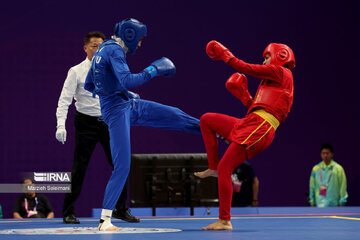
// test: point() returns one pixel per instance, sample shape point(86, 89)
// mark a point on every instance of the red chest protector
point(276, 98)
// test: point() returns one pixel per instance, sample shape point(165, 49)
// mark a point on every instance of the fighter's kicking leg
point(156, 115)
point(212, 124)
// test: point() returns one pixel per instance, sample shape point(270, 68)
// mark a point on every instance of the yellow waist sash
point(268, 117)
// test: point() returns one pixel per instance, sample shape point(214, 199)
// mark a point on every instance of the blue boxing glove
point(162, 67)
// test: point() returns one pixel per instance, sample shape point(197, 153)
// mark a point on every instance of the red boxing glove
point(237, 85)
point(217, 51)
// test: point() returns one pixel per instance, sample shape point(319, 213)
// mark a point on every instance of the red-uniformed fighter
point(254, 133)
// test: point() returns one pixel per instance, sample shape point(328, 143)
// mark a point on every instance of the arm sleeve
point(47, 205)
point(251, 173)
point(343, 185)
point(270, 72)
point(122, 71)
point(89, 82)
point(17, 205)
point(66, 97)
point(312, 188)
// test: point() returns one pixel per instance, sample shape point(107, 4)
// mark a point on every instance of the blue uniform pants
point(137, 112)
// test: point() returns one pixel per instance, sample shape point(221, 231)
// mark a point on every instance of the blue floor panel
point(291, 224)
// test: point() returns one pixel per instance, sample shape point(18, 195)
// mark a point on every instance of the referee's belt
point(91, 118)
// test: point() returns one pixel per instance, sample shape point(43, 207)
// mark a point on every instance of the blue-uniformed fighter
point(110, 78)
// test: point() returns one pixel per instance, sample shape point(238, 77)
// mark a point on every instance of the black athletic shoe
point(71, 219)
point(125, 215)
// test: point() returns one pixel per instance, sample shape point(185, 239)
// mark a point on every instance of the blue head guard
point(130, 31)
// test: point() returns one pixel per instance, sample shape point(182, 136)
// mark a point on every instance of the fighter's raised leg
point(212, 124)
point(156, 115)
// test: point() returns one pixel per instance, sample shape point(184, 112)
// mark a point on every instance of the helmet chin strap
point(120, 42)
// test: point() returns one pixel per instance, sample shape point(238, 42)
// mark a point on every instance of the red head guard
point(280, 54)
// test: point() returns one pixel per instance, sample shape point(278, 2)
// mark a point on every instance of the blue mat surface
point(264, 223)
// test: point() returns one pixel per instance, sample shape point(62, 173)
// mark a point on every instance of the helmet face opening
point(131, 31)
point(280, 54)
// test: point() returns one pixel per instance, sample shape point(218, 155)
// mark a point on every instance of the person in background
point(327, 181)
point(31, 204)
point(246, 186)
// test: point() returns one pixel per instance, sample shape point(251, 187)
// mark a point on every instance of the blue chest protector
point(109, 73)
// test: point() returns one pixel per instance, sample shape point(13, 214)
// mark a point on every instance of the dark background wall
point(41, 40)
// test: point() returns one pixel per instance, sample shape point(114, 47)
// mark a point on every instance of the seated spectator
point(245, 185)
point(327, 181)
point(32, 205)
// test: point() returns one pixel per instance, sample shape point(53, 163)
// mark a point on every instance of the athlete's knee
point(121, 171)
point(206, 118)
point(123, 167)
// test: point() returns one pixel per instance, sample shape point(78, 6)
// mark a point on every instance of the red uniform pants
point(248, 136)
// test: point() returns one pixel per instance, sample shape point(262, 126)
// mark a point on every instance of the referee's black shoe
point(71, 219)
point(125, 215)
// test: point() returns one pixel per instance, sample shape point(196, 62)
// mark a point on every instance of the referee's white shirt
point(74, 88)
